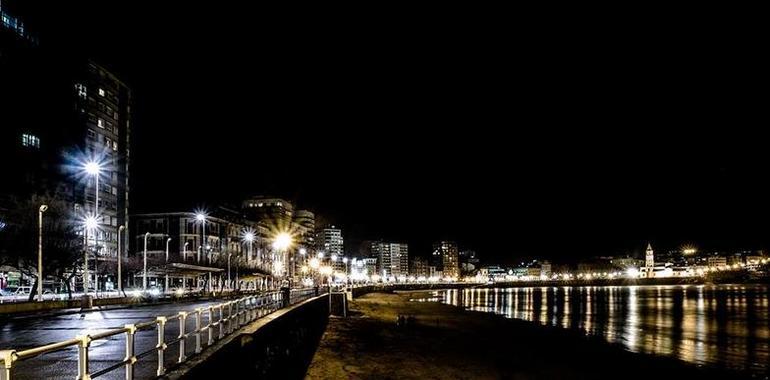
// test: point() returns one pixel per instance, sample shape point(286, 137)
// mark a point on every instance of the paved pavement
point(26, 332)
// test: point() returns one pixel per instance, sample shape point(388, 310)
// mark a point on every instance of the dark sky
point(554, 136)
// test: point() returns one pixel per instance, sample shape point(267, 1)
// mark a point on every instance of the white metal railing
point(239, 313)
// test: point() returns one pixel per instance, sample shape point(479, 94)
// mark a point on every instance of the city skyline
point(506, 192)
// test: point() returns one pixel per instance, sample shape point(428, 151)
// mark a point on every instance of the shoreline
point(445, 341)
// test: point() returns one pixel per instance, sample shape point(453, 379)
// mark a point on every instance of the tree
point(62, 243)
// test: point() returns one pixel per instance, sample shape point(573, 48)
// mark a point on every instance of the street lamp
point(144, 274)
point(166, 269)
point(201, 218)
point(93, 168)
point(249, 238)
point(345, 260)
point(90, 224)
point(120, 259)
point(41, 210)
point(281, 242)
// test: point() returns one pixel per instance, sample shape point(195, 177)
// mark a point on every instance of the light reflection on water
point(722, 325)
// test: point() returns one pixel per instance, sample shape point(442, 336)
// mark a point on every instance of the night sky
point(515, 138)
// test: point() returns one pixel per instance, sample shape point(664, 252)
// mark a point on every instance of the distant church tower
point(649, 260)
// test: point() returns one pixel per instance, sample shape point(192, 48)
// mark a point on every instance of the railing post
point(211, 325)
point(7, 356)
point(85, 341)
point(238, 313)
point(182, 338)
point(230, 319)
point(221, 327)
point(130, 358)
point(198, 312)
point(161, 345)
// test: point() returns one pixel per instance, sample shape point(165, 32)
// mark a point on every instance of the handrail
point(239, 313)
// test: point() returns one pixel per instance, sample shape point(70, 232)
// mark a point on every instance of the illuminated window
point(115, 146)
point(81, 89)
point(101, 92)
point(30, 141)
point(100, 123)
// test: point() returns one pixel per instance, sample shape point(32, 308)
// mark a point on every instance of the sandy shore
point(446, 342)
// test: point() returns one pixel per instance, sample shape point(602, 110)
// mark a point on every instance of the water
point(722, 326)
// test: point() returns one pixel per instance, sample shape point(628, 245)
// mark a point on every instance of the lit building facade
point(330, 242)
point(419, 267)
point(58, 115)
point(392, 258)
point(446, 258)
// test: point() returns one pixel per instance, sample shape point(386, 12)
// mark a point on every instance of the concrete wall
point(279, 345)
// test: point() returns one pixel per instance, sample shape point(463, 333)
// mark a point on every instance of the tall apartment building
point(60, 114)
point(329, 240)
point(392, 258)
point(446, 258)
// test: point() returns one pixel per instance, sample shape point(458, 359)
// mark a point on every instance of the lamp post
point(345, 260)
point(281, 243)
point(90, 224)
point(94, 169)
point(228, 270)
point(40, 212)
point(165, 285)
point(144, 273)
point(120, 259)
point(201, 217)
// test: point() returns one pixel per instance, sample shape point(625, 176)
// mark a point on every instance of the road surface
point(26, 332)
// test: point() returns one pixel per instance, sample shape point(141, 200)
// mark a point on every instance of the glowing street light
point(282, 241)
point(249, 238)
point(92, 168)
point(91, 223)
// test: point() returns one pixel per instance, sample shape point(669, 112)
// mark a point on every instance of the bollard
point(161, 345)
point(130, 358)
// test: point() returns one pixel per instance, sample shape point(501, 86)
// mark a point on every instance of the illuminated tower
point(649, 260)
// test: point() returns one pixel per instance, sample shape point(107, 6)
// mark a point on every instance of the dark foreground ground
point(446, 342)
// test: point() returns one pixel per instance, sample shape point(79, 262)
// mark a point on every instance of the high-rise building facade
point(102, 105)
point(274, 213)
point(446, 258)
point(59, 115)
point(419, 267)
point(329, 240)
point(392, 258)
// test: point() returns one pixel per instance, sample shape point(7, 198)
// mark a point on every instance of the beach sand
point(446, 342)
